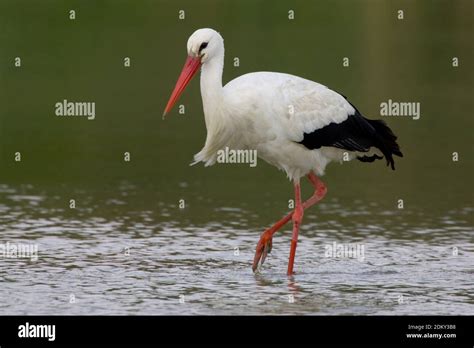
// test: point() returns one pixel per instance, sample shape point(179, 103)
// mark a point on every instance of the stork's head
point(203, 46)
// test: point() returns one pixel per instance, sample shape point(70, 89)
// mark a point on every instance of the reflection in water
point(293, 287)
point(113, 259)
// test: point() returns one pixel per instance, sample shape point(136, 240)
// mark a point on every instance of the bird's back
point(296, 104)
point(298, 115)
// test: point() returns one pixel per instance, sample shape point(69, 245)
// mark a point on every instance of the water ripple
point(109, 257)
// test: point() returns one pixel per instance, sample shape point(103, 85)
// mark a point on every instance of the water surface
point(116, 259)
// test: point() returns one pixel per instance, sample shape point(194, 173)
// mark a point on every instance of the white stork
point(297, 125)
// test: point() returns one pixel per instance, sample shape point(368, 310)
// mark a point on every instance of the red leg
point(264, 245)
point(297, 219)
point(320, 191)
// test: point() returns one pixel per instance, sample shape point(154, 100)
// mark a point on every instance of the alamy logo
point(67, 108)
point(394, 108)
point(19, 251)
point(237, 156)
point(342, 250)
point(37, 331)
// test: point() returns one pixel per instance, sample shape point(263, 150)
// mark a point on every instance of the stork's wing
point(311, 114)
point(312, 106)
point(321, 117)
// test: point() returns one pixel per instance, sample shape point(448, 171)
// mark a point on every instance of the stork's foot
point(264, 247)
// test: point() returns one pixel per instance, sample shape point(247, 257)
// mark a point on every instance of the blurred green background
point(82, 60)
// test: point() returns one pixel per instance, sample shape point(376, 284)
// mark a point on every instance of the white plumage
point(270, 112)
point(297, 125)
point(266, 111)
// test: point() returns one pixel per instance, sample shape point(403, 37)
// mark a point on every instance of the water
point(127, 247)
point(147, 262)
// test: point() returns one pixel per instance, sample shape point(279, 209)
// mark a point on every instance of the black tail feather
point(369, 158)
point(357, 134)
point(386, 141)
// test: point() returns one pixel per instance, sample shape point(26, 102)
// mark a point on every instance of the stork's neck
point(211, 86)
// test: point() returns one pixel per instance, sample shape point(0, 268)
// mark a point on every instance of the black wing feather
point(356, 133)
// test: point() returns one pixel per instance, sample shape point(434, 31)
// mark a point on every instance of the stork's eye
point(203, 46)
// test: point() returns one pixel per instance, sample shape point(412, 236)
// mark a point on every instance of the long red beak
point(191, 66)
